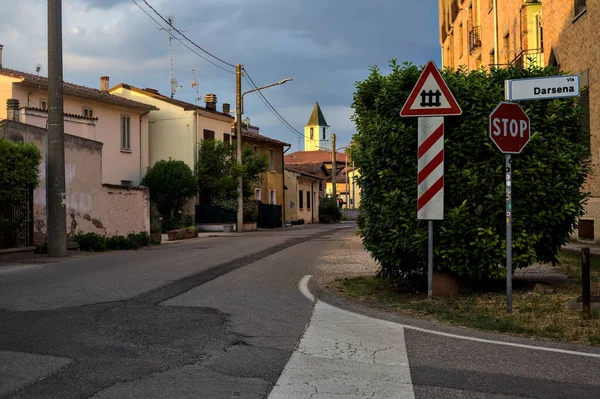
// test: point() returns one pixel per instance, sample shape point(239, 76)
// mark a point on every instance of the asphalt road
point(225, 318)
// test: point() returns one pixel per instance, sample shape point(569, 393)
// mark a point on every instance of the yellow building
point(302, 195)
point(564, 34)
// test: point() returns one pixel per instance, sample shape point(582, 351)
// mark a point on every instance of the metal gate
point(16, 223)
point(269, 216)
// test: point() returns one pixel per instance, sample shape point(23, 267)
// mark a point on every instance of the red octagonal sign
point(509, 128)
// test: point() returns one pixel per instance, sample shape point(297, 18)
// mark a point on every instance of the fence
point(269, 216)
point(214, 214)
point(16, 223)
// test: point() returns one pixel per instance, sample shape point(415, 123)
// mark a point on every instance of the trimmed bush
point(329, 211)
point(93, 242)
point(470, 241)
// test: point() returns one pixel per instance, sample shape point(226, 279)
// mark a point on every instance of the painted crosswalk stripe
point(344, 353)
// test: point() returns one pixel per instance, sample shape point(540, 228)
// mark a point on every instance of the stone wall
point(91, 206)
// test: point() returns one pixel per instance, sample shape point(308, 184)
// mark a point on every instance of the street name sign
point(542, 88)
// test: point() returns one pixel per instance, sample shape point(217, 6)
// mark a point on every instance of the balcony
point(527, 58)
point(474, 38)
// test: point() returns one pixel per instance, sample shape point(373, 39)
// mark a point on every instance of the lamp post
point(239, 111)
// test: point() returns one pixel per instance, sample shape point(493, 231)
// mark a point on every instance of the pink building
point(120, 124)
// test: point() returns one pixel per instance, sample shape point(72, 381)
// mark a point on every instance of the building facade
point(563, 34)
point(302, 195)
point(121, 125)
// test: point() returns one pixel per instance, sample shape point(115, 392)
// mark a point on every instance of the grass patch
point(542, 316)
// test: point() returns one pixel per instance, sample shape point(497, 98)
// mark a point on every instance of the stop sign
point(509, 128)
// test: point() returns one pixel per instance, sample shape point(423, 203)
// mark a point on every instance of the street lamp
point(239, 106)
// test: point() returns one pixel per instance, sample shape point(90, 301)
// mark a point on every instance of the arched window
point(312, 133)
point(324, 133)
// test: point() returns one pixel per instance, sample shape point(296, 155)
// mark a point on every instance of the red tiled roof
point(89, 118)
point(296, 169)
point(155, 94)
point(77, 90)
point(314, 157)
point(261, 138)
point(312, 168)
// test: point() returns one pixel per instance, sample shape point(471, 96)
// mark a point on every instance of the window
point(320, 185)
point(507, 47)
point(208, 134)
point(307, 200)
point(127, 183)
point(256, 149)
point(43, 103)
point(540, 32)
point(461, 42)
point(492, 57)
point(301, 199)
point(88, 112)
point(125, 133)
point(272, 159)
point(227, 137)
point(258, 194)
point(312, 133)
point(580, 7)
point(272, 197)
point(324, 133)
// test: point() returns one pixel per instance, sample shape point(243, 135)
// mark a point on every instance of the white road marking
point(303, 285)
point(344, 353)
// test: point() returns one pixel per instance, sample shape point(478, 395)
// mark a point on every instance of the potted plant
point(191, 232)
point(174, 235)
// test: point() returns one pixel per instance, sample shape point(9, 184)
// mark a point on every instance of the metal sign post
point(509, 233)
point(430, 100)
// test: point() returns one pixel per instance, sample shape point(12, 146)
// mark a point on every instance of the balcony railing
point(474, 38)
point(527, 58)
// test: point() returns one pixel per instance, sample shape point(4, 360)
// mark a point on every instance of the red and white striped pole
point(430, 202)
point(430, 178)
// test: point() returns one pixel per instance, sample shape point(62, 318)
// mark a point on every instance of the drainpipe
point(495, 5)
point(283, 185)
point(141, 116)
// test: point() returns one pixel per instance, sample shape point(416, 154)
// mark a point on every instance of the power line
point(270, 107)
point(187, 38)
point(182, 43)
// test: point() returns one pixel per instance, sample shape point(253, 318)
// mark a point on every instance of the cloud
point(326, 46)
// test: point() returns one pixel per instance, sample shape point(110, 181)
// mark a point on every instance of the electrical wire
point(269, 106)
point(182, 43)
point(187, 38)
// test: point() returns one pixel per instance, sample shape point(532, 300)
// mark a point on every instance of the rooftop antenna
point(196, 85)
point(172, 81)
point(38, 68)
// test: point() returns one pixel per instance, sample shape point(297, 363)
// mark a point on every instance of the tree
point(170, 183)
point(19, 170)
point(253, 165)
point(217, 171)
point(470, 242)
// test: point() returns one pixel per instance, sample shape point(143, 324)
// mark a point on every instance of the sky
point(326, 46)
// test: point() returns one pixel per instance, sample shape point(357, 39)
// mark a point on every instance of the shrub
point(329, 211)
point(251, 211)
point(470, 241)
point(170, 184)
point(19, 170)
point(90, 242)
point(93, 242)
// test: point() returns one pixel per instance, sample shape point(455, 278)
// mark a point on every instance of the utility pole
point(347, 186)
point(238, 120)
point(353, 177)
point(333, 169)
point(56, 230)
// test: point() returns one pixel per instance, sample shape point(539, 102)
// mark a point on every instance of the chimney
point(104, 83)
point(1, 47)
point(12, 109)
point(226, 108)
point(211, 102)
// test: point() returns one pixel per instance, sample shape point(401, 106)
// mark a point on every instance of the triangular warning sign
point(431, 96)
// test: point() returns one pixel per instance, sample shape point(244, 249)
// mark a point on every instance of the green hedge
point(19, 170)
point(93, 242)
point(470, 241)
